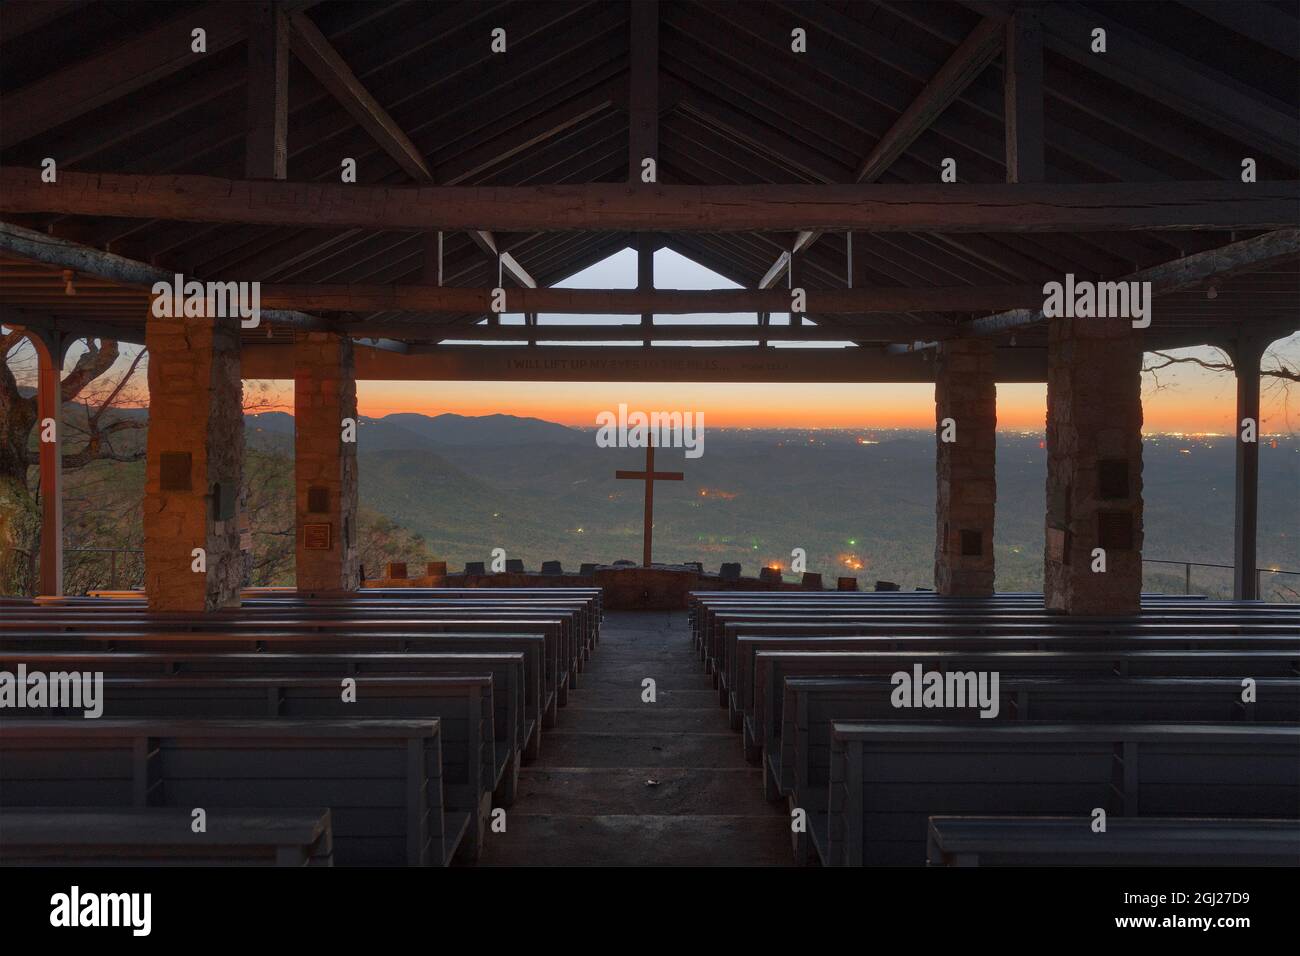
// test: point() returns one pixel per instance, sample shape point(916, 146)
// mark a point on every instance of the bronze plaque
point(316, 537)
point(972, 543)
point(175, 467)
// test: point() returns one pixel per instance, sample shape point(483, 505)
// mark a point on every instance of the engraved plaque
point(397, 569)
point(972, 543)
point(175, 470)
point(316, 537)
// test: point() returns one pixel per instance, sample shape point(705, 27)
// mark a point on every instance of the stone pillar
point(325, 464)
point(1094, 467)
point(195, 461)
point(965, 399)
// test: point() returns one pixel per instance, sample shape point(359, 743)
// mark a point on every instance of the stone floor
point(621, 782)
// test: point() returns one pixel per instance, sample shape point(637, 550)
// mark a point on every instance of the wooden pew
point(1197, 627)
point(740, 697)
point(534, 703)
point(515, 726)
point(462, 705)
point(797, 766)
point(889, 778)
point(583, 608)
point(763, 718)
point(705, 612)
point(400, 624)
point(1070, 841)
point(161, 837)
point(381, 778)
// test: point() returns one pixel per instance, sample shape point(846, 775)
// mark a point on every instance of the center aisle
point(621, 782)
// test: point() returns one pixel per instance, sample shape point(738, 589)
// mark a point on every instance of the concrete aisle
point(621, 782)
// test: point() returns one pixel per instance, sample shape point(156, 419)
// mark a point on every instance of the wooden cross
point(649, 476)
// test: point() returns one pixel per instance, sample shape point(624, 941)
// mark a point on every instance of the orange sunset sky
point(1191, 400)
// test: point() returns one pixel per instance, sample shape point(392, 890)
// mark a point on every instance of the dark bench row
point(157, 836)
point(381, 779)
point(888, 778)
point(559, 668)
point(1072, 841)
point(797, 762)
point(471, 771)
point(804, 676)
point(483, 688)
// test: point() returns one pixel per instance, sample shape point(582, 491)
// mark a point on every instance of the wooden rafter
point(609, 207)
point(966, 63)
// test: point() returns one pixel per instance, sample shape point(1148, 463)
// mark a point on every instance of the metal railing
point(126, 572)
point(1259, 574)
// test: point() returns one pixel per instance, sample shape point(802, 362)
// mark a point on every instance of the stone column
point(325, 462)
point(1094, 467)
point(195, 460)
point(965, 398)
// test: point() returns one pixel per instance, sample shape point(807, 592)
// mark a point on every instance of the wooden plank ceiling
point(413, 92)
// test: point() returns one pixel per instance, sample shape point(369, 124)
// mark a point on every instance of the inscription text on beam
point(649, 476)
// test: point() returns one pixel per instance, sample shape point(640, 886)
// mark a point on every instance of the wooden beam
point(18, 17)
point(894, 332)
point(1247, 255)
point(564, 363)
point(132, 65)
point(643, 86)
point(1150, 69)
point(315, 52)
point(958, 72)
point(453, 299)
point(608, 207)
point(324, 62)
point(53, 251)
point(71, 328)
point(1022, 81)
point(266, 147)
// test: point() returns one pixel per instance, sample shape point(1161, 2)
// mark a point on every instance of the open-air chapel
point(956, 194)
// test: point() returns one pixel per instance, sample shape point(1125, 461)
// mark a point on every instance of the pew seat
point(381, 779)
point(1070, 841)
point(888, 778)
point(157, 836)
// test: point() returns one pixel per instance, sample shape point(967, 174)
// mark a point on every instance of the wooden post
point(49, 404)
point(1246, 355)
